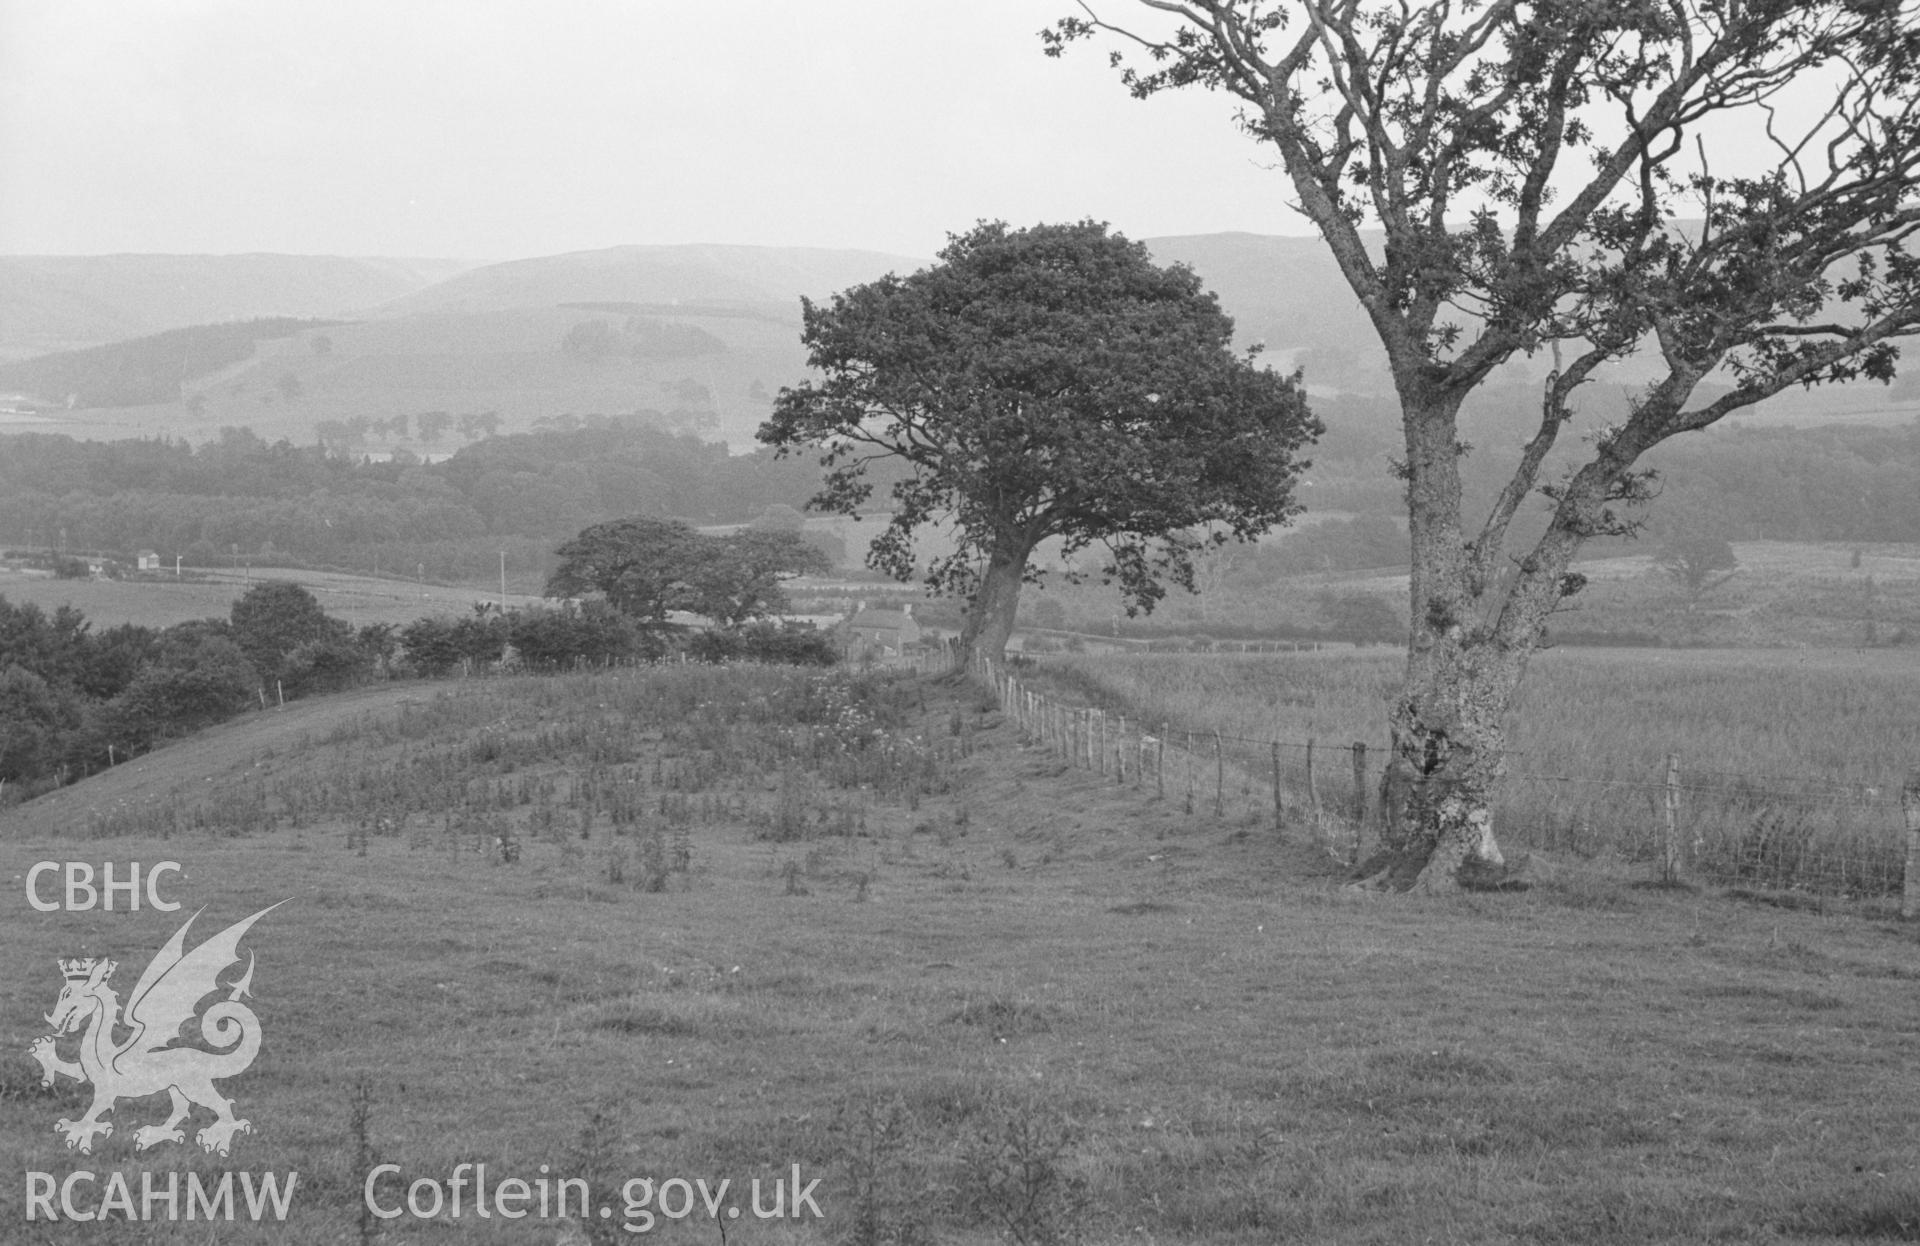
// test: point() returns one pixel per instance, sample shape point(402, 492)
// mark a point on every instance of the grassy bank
point(754, 920)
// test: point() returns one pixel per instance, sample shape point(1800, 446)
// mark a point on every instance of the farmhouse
point(149, 560)
point(888, 632)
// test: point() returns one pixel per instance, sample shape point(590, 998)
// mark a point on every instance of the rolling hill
point(655, 274)
point(63, 302)
point(701, 336)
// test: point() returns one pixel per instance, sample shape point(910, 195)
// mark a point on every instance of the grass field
point(1791, 761)
point(164, 601)
point(761, 919)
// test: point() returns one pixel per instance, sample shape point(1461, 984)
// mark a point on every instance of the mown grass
point(1791, 762)
point(1177, 1024)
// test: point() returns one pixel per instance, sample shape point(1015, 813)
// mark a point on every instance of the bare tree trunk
point(1447, 729)
point(1444, 761)
point(990, 615)
point(1471, 634)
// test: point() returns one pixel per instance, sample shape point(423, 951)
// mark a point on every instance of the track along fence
point(1687, 821)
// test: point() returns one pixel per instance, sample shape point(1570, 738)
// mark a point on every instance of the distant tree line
point(148, 369)
point(242, 496)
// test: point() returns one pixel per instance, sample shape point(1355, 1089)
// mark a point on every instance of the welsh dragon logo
point(147, 1062)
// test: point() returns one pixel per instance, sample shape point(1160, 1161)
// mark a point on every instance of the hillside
point(439, 336)
point(63, 302)
point(656, 274)
point(494, 340)
point(736, 925)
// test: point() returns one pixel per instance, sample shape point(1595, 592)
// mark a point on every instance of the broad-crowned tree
point(275, 617)
point(645, 567)
point(1051, 382)
point(740, 576)
point(1699, 560)
point(1710, 189)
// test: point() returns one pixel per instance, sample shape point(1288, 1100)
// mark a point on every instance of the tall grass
point(1790, 763)
point(492, 762)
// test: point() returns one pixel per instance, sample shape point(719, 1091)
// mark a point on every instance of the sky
point(501, 129)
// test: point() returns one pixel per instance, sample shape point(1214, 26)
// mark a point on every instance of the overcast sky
point(498, 129)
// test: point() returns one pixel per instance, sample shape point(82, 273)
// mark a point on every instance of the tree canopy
point(648, 568)
point(274, 618)
point(1050, 382)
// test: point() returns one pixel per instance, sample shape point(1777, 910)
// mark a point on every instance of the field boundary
point(1687, 824)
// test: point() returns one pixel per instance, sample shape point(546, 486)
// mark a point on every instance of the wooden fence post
point(1670, 849)
point(1359, 794)
point(1910, 807)
point(1189, 772)
point(1313, 794)
point(1160, 762)
point(1276, 784)
point(1219, 778)
point(1120, 753)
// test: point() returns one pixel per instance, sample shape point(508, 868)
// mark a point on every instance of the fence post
point(1910, 807)
point(1189, 772)
point(1120, 753)
point(1313, 795)
point(1670, 849)
point(1160, 762)
point(1276, 784)
point(1359, 794)
point(1219, 778)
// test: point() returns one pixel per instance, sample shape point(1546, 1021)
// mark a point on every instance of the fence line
point(1732, 828)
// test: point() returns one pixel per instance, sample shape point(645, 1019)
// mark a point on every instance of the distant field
point(1792, 759)
point(761, 919)
point(1785, 593)
point(163, 601)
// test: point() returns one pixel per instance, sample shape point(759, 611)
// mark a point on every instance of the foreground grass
point(949, 971)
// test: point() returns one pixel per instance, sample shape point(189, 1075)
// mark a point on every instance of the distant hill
point(700, 336)
point(146, 370)
point(656, 274)
point(63, 302)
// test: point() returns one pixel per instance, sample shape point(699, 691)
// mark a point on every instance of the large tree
point(648, 568)
point(275, 617)
point(1051, 382)
point(1716, 190)
point(643, 566)
point(741, 575)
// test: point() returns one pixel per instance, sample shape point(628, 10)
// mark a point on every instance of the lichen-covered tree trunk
point(1444, 762)
point(1447, 728)
point(1477, 617)
point(990, 615)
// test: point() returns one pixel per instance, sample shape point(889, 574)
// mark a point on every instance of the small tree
point(1696, 559)
point(1050, 382)
point(1539, 178)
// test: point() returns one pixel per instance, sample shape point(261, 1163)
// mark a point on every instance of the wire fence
point(1772, 832)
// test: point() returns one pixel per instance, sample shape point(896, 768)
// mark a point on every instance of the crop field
point(711, 925)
